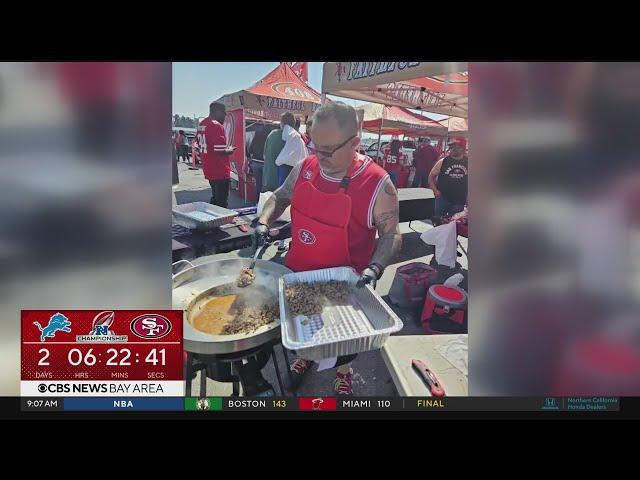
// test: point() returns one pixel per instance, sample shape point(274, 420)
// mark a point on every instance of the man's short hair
point(217, 107)
point(345, 115)
point(288, 119)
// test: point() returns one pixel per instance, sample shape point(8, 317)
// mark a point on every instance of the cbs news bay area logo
point(101, 388)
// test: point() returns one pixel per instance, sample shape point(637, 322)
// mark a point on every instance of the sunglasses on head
point(328, 154)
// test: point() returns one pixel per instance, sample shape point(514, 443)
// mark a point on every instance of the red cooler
point(445, 310)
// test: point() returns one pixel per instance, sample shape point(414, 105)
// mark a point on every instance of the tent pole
point(380, 136)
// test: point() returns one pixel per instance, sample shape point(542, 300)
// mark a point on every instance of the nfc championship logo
point(101, 330)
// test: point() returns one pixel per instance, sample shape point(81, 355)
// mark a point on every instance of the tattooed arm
point(386, 213)
point(281, 198)
point(433, 177)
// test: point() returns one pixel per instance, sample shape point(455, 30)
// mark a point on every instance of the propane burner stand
point(238, 368)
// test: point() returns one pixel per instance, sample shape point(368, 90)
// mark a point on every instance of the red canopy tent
point(281, 90)
point(386, 120)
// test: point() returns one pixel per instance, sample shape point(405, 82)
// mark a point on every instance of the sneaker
point(298, 368)
point(342, 383)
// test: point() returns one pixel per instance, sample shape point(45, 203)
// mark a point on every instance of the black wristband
point(379, 269)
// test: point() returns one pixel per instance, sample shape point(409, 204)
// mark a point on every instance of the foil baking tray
point(202, 216)
point(363, 324)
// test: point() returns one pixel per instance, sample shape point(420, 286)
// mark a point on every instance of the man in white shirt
point(294, 150)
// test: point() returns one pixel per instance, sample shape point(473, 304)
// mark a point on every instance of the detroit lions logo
point(307, 174)
point(57, 322)
point(306, 237)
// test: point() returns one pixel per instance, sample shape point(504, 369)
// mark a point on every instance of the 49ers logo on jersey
point(306, 237)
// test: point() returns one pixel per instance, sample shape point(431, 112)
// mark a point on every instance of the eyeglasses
point(329, 154)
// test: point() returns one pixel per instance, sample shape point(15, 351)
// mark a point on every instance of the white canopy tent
point(437, 87)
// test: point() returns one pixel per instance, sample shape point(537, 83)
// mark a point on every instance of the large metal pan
point(193, 286)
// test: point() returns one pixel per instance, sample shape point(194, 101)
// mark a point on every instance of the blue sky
point(196, 85)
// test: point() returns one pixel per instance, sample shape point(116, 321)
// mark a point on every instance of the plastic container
point(445, 310)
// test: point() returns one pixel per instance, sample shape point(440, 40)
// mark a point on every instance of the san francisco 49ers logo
point(306, 237)
point(293, 90)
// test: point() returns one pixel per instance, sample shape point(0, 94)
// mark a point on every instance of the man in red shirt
point(424, 158)
point(339, 201)
point(214, 153)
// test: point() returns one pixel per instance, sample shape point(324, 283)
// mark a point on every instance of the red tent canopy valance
point(392, 120)
point(281, 90)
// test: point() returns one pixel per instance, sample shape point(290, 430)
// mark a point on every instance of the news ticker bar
point(451, 404)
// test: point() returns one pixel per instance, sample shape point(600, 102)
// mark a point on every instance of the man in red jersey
point(214, 154)
point(339, 200)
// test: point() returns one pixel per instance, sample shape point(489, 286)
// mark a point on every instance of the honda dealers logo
point(150, 326)
point(306, 237)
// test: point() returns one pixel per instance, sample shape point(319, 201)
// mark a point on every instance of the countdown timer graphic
point(102, 353)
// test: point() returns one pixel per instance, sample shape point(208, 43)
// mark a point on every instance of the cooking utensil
point(428, 377)
point(274, 232)
point(192, 287)
point(259, 251)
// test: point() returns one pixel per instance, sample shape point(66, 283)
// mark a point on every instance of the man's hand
point(260, 235)
point(368, 277)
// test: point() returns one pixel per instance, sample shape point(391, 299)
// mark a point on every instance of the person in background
point(182, 146)
point(272, 148)
point(304, 136)
point(195, 152)
point(448, 180)
point(391, 159)
point(294, 150)
point(309, 143)
point(256, 152)
point(424, 159)
point(214, 154)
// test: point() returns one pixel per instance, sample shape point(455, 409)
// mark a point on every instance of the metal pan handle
point(175, 264)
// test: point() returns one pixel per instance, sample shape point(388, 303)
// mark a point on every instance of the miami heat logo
point(307, 174)
point(306, 237)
